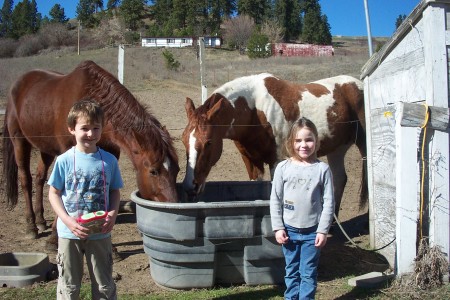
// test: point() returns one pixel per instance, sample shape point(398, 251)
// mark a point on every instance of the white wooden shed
point(405, 83)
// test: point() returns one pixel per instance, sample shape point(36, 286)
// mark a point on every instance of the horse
point(36, 114)
point(256, 112)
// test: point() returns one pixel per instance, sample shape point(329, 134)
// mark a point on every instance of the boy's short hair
point(85, 108)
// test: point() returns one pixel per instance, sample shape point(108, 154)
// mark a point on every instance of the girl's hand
point(281, 237)
point(321, 240)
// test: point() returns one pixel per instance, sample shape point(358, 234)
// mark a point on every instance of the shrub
point(171, 62)
point(56, 35)
point(258, 46)
point(29, 45)
point(8, 47)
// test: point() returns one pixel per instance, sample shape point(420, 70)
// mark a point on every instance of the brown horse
point(256, 113)
point(36, 114)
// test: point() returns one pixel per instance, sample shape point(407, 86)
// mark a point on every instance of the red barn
point(288, 49)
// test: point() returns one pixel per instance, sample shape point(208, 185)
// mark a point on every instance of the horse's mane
point(124, 111)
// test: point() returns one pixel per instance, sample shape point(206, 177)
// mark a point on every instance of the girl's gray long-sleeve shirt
point(302, 196)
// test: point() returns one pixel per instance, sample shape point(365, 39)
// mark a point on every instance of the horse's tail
point(364, 188)
point(10, 170)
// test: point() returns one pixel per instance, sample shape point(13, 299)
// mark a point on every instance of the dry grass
point(147, 64)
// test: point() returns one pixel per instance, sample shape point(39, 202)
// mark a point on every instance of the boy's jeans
point(302, 259)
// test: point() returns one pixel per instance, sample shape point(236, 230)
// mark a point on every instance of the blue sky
point(346, 17)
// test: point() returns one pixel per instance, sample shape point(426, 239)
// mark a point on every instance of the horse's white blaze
point(191, 159)
point(315, 109)
point(166, 163)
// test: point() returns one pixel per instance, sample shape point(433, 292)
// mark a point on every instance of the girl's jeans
point(302, 259)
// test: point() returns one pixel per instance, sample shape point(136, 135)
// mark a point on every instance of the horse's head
point(202, 138)
point(157, 168)
point(157, 171)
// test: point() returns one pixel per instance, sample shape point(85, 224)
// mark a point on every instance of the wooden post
point(201, 45)
point(78, 42)
point(121, 61)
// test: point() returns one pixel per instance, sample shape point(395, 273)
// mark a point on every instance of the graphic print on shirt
point(297, 183)
point(85, 192)
point(301, 182)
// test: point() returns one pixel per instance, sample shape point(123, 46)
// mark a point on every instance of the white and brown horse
point(256, 113)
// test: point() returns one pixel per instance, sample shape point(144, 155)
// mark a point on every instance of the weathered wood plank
point(413, 115)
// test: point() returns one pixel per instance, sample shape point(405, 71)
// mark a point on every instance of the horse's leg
point(255, 171)
point(22, 150)
point(41, 175)
point(337, 166)
point(52, 241)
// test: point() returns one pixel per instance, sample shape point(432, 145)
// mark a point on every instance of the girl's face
point(87, 135)
point(305, 144)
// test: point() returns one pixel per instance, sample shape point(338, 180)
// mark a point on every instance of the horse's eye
point(208, 143)
point(154, 172)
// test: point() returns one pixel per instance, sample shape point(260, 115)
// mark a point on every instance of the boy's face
point(87, 134)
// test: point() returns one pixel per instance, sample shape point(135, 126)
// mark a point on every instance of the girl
point(301, 209)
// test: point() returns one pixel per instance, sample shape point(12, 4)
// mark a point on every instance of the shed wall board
point(438, 95)
point(383, 179)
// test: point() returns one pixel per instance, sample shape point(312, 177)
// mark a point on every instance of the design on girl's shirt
point(300, 182)
point(289, 205)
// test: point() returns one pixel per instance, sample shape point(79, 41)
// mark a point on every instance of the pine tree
point(132, 12)
point(6, 18)
point(25, 19)
point(287, 13)
point(57, 14)
point(35, 17)
point(85, 13)
point(98, 5)
point(316, 29)
point(399, 20)
point(257, 9)
point(112, 4)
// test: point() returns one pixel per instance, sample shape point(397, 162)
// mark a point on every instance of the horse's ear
point(189, 106)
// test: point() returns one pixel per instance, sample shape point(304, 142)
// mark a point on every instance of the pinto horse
point(257, 111)
point(36, 117)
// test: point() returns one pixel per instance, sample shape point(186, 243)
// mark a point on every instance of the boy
point(85, 179)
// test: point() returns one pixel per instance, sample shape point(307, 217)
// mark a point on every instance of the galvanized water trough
point(225, 238)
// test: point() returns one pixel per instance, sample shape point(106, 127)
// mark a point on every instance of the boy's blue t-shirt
point(80, 178)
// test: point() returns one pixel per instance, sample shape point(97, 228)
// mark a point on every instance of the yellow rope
point(427, 115)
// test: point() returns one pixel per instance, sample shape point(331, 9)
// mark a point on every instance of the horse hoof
point(31, 234)
point(41, 227)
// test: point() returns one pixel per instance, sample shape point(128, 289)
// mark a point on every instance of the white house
point(406, 89)
point(179, 42)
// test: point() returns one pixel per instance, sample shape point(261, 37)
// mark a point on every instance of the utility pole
point(369, 34)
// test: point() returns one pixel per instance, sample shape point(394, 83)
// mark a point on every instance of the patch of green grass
point(48, 292)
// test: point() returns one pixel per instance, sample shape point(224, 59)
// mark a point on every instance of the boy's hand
point(77, 229)
point(281, 237)
point(110, 220)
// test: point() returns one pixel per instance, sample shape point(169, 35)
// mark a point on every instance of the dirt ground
point(166, 100)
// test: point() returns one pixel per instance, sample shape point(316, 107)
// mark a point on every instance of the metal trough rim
point(197, 205)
